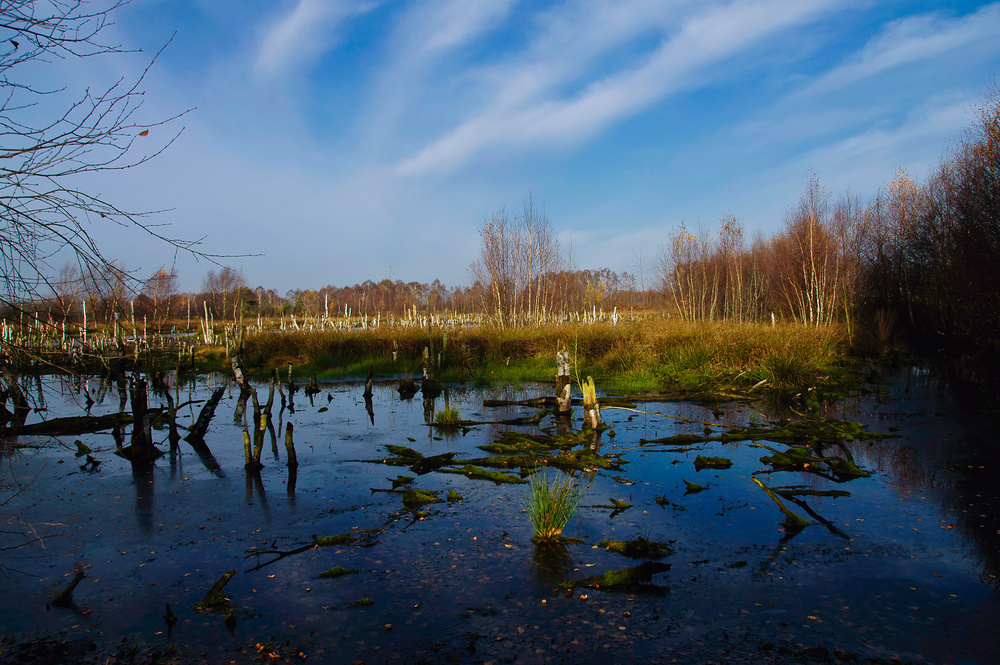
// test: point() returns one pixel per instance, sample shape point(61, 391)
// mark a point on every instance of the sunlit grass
point(551, 504)
point(449, 415)
point(656, 354)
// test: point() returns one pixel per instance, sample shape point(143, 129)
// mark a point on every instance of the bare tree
point(110, 290)
point(687, 275)
point(517, 263)
point(43, 213)
point(223, 286)
point(67, 287)
point(161, 289)
point(811, 261)
point(495, 267)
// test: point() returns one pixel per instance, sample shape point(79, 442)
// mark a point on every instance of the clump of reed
point(551, 504)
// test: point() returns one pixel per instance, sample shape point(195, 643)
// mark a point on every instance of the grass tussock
point(656, 354)
point(448, 416)
point(551, 505)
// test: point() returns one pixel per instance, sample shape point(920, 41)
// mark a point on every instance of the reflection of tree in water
point(944, 442)
point(142, 477)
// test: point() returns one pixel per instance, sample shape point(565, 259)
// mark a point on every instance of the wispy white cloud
point(915, 39)
point(423, 38)
point(303, 34)
point(443, 26)
point(530, 109)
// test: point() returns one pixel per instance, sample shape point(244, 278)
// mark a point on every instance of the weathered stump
point(429, 385)
point(564, 386)
point(591, 409)
point(290, 447)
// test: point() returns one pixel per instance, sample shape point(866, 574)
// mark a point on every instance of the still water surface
point(906, 566)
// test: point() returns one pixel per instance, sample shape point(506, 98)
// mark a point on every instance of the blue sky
point(344, 140)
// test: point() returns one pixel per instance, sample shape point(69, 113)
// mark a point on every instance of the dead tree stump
point(591, 409)
point(564, 386)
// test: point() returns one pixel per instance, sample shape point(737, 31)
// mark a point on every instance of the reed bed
point(657, 353)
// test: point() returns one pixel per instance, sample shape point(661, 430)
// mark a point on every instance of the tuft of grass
point(449, 415)
point(551, 505)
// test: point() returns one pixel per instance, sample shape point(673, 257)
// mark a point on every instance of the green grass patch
point(551, 504)
point(448, 416)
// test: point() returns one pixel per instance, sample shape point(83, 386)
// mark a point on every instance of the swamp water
point(906, 566)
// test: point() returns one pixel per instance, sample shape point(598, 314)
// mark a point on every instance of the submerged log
point(196, 435)
point(215, 599)
point(637, 579)
point(792, 520)
point(65, 597)
point(83, 424)
point(290, 447)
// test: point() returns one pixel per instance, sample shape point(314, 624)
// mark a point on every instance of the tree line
point(919, 259)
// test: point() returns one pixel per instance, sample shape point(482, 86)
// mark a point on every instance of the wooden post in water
point(591, 409)
point(290, 447)
point(564, 386)
point(247, 450)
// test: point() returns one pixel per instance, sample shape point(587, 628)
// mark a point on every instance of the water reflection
point(145, 492)
point(947, 439)
point(942, 459)
point(553, 563)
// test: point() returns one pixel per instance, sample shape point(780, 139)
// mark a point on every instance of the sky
point(335, 141)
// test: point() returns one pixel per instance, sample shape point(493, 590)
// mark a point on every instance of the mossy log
point(792, 520)
point(337, 571)
point(196, 435)
point(65, 597)
point(692, 488)
point(479, 473)
point(215, 598)
point(702, 462)
point(82, 424)
point(635, 579)
point(416, 497)
point(640, 548)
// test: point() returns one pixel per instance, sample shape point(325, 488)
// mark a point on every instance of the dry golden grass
point(656, 353)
